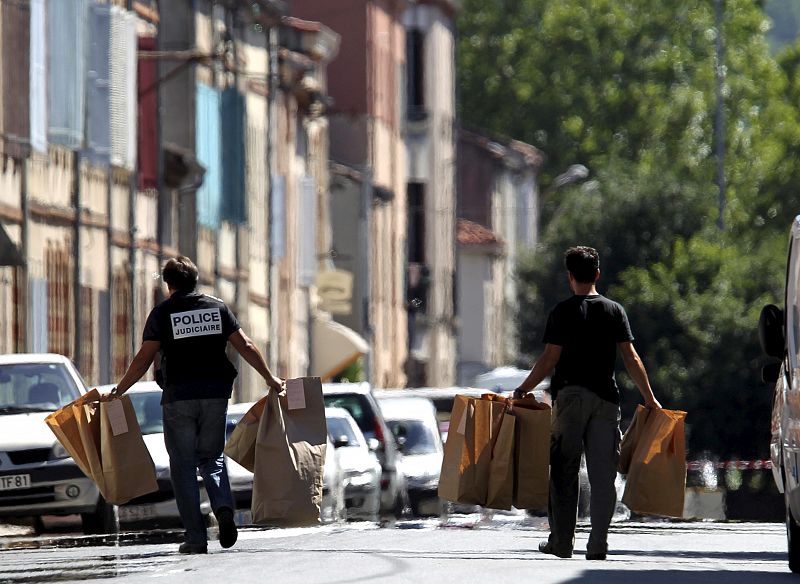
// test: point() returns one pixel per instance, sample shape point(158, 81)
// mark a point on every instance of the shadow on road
point(684, 577)
point(738, 556)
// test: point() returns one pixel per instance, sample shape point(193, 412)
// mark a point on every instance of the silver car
point(415, 427)
point(37, 475)
point(361, 470)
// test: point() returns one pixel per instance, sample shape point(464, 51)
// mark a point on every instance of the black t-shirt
point(193, 330)
point(587, 328)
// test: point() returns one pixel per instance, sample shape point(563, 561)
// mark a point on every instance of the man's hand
point(652, 404)
point(277, 384)
point(519, 393)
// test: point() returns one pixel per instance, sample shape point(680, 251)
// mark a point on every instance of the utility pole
point(719, 123)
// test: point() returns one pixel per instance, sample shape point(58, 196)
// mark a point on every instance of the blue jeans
point(194, 434)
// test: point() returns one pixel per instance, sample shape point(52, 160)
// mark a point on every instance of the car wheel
point(793, 537)
point(104, 519)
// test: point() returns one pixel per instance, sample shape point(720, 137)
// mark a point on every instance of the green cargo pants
point(582, 421)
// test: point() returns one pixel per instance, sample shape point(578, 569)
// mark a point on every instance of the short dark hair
point(583, 263)
point(180, 274)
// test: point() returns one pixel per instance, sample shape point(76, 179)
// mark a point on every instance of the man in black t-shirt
point(191, 332)
point(582, 336)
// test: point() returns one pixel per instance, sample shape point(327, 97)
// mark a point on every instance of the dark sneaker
point(227, 527)
point(595, 556)
point(546, 548)
point(193, 548)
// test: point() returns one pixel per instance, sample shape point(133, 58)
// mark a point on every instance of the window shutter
point(307, 231)
point(97, 85)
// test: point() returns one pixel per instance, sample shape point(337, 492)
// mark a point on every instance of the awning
point(10, 254)
point(334, 347)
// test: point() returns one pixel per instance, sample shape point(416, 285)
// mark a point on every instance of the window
point(43, 387)
point(415, 79)
point(148, 411)
point(416, 223)
point(419, 437)
point(339, 428)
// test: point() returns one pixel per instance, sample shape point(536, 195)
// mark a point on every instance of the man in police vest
point(191, 331)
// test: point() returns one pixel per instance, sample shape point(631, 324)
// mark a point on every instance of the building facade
point(198, 129)
point(498, 220)
point(368, 199)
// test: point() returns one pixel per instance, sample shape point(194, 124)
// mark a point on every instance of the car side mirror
point(770, 331)
point(373, 444)
point(341, 441)
point(770, 372)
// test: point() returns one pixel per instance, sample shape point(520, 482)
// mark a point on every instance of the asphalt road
point(463, 549)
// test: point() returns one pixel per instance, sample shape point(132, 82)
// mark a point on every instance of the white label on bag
point(462, 425)
point(295, 394)
point(116, 417)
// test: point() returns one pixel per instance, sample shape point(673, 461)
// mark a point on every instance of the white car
point(360, 467)
point(158, 508)
point(415, 427)
point(37, 475)
point(333, 501)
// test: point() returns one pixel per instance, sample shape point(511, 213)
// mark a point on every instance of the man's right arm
point(544, 365)
point(635, 368)
point(250, 353)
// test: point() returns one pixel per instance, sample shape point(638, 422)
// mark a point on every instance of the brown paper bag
point(531, 454)
point(120, 463)
point(468, 451)
point(128, 470)
point(631, 438)
point(290, 455)
point(656, 481)
point(500, 492)
point(241, 446)
point(64, 424)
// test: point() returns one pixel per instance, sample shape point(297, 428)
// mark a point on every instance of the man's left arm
point(543, 367)
point(138, 367)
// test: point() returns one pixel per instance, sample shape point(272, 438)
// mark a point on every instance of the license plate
point(137, 512)
point(11, 482)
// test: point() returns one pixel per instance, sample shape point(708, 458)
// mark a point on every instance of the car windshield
point(148, 411)
point(358, 406)
point(35, 387)
point(420, 437)
point(339, 428)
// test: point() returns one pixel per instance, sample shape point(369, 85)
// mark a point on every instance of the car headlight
point(58, 452)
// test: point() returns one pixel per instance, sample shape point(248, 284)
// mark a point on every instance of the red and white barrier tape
point(730, 464)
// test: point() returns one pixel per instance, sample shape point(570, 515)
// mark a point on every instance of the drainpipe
point(272, 279)
point(76, 255)
point(24, 323)
point(365, 244)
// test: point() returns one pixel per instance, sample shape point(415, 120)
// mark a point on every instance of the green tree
point(628, 89)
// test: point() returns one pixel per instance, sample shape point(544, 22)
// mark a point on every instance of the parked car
point(358, 400)
point(414, 424)
point(361, 470)
point(506, 379)
point(333, 506)
point(157, 509)
point(442, 398)
point(779, 333)
point(37, 475)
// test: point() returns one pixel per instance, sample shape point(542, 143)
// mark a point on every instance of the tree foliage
point(628, 89)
